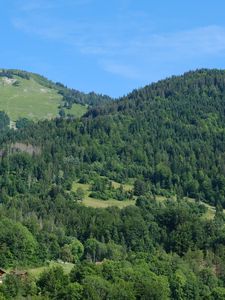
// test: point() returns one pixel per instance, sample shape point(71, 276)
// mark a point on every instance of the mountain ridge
point(30, 95)
point(154, 89)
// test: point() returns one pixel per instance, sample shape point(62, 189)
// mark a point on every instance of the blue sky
point(111, 47)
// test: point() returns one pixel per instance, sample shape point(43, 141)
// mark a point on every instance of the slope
point(171, 134)
point(21, 97)
point(29, 95)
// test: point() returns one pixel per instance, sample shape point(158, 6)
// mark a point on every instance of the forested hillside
point(160, 147)
point(172, 134)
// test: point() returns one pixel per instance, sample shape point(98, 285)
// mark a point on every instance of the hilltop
point(28, 95)
point(171, 134)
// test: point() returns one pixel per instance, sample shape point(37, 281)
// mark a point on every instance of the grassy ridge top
point(28, 95)
point(27, 98)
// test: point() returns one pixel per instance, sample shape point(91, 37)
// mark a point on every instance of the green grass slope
point(29, 99)
point(98, 203)
point(32, 98)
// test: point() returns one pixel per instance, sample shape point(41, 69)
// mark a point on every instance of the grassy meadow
point(98, 203)
point(22, 98)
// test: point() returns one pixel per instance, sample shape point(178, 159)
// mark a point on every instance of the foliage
point(23, 122)
point(4, 120)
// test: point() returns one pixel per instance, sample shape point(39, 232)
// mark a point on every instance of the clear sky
point(113, 46)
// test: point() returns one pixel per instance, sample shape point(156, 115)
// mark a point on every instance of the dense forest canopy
point(168, 140)
point(173, 134)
